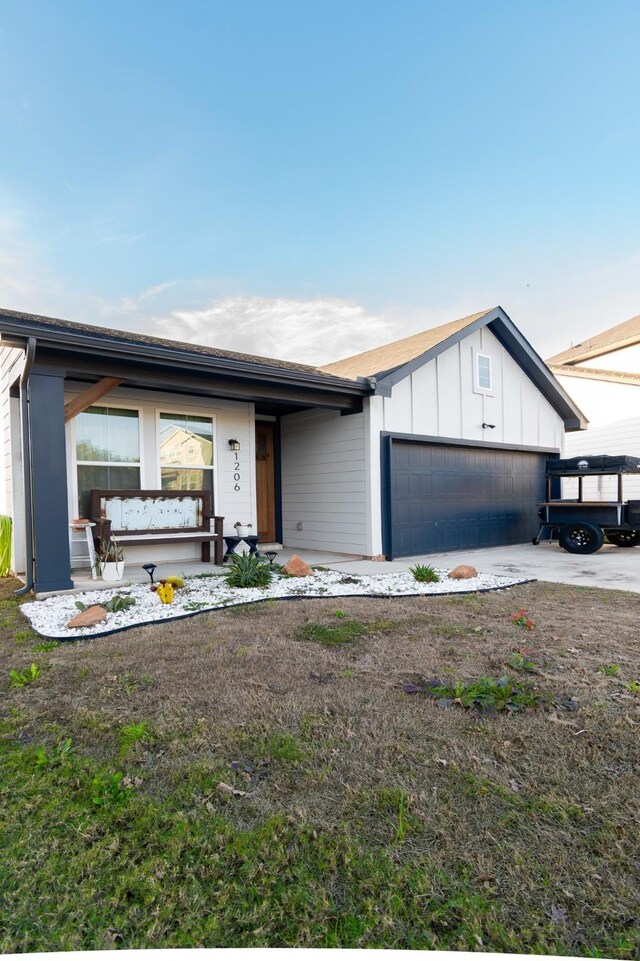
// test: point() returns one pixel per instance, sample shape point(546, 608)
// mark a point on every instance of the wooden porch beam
point(89, 397)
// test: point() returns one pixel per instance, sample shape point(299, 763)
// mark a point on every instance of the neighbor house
point(602, 374)
point(435, 442)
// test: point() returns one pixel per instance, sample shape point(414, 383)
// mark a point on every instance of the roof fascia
point(394, 376)
point(505, 331)
point(597, 373)
point(16, 333)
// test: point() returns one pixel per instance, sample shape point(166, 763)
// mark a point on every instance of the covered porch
point(79, 385)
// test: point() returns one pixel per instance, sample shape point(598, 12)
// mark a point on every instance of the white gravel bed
point(50, 616)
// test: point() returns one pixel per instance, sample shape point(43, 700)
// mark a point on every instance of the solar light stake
point(149, 568)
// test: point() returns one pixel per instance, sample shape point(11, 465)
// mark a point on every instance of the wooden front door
point(265, 482)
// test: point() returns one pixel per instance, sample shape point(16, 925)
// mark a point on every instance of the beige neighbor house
point(435, 442)
point(602, 375)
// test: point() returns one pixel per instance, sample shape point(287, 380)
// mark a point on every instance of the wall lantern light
point(234, 444)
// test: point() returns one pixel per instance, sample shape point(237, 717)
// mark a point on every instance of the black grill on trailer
point(580, 525)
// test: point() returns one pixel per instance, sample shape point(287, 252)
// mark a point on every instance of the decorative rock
point(93, 615)
point(462, 572)
point(296, 567)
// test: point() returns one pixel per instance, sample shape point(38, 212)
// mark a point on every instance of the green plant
point(46, 646)
point(520, 663)
point(5, 545)
point(135, 734)
point(248, 570)
point(21, 679)
point(56, 756)
point(339, 614)
point(108, 790)
point(119, 602)
point(425, 573)
point(520, 619)
point(486, 695)
point(610, 670)
point(633, 687)
point(109, 552)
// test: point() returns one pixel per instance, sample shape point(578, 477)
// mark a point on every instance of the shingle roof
point(381, 360)
point(55, 323)
point(622, 335)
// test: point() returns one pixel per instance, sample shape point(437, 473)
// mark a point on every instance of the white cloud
point(308, 331)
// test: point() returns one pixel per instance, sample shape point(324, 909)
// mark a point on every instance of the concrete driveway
point(612, 567)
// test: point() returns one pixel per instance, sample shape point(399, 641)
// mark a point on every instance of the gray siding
point(324, 482)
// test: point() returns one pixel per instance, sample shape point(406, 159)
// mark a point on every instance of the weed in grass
point(108, 790)
point(55, 757)
point(23, 678)
point(425, 574)
point(45, 646)
point(633, 687)
point(348, 672)
point(521, 663)
point(610, 670)
point(339, 614)
point(23, 637)
point(486, 695)
point(131, 734)
point(520, 619)
point(334, 635)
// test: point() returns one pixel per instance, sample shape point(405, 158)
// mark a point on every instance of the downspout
point(25, 422)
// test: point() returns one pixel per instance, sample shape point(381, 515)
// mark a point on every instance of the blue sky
point(307, 179)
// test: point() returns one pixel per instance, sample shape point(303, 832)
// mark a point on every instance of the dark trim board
point(461, 442)
point(452, 510)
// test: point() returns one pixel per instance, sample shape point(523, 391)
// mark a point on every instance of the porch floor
point(82, 580)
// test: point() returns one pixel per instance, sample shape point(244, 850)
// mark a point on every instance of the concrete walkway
point(612, 567)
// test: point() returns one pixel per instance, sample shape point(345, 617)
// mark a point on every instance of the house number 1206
point(236, 476)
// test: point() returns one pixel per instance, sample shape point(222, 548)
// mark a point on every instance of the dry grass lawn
point(525, 825)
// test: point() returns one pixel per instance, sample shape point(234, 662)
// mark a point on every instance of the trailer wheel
point(581, 538)
point(624, 538)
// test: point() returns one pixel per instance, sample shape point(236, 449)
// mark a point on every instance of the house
point(435, 442)
point(602, 374)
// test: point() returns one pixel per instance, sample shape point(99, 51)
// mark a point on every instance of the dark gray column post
point(49, 466)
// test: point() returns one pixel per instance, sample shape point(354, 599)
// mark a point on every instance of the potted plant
point(110, 558)
point(243, 530)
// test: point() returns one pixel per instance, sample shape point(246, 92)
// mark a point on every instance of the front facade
point(433, 443)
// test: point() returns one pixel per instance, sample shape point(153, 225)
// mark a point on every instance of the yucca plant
point(5, 545)
point(248, 570)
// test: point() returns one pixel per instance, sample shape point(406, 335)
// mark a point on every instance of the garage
point(443, 496)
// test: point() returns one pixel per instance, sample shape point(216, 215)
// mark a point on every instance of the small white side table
point(81, 535)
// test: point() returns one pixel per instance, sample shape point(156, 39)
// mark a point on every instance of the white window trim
point(477, 388)
point(73, 485)
point(195, 412)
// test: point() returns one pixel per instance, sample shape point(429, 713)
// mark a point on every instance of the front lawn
point(328, 773)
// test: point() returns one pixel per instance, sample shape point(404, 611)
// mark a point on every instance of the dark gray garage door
point(446, 498)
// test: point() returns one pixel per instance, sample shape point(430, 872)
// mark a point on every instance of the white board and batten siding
point(232, 420)
point(439, 400)
point(324, 497)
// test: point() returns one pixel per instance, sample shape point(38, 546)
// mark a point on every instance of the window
point(483, 373)
point(186, 453)
point(107, 452)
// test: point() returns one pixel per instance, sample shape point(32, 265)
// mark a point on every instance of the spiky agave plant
point(248, 570)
